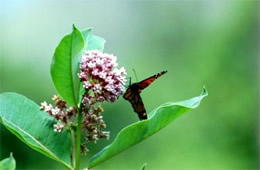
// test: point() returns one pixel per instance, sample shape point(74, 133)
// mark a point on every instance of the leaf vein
point(71, 69)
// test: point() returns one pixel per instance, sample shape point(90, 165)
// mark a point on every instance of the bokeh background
point(213, 43)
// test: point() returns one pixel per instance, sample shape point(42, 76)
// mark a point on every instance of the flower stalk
point(78, 135)
point(73, 151)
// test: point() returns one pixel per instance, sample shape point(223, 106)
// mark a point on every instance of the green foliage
point(65, 62)
point(34, 127)
point(137, 132)
point(65, 66)
point(8, 163)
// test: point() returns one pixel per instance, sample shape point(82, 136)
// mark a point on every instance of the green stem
point(73, 154)
point(78, 135)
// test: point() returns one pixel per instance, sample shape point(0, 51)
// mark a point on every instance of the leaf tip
point(74, 28)
point(204, 91)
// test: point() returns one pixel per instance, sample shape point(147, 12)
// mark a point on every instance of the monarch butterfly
point(132, 94)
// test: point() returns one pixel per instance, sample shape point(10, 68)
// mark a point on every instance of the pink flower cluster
point(102, 81)
point(100, 76)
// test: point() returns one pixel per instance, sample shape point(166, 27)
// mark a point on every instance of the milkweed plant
point(85, 77)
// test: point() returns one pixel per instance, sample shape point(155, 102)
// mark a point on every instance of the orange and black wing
point(146, 82)
point(132, 94)
point(137, 103)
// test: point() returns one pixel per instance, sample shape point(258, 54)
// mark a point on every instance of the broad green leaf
point(65, 62)
point(65, 66)
point(8, 163)
point(34, 127)
point(135, 133)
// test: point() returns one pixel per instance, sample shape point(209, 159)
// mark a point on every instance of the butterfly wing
point(137, 103)
point(146, 82)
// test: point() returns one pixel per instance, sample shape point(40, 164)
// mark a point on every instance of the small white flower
point(109, 88)
point(82, 75)
point(103, 75)
point(99, 61)
point(97, 88)
point(117, 72)
point(109, 80)
point(123, 71)
point(91, 65)
point(87, 84)
point(46, 107)
point(58, 127)
point(95, 72)
point(55, 111)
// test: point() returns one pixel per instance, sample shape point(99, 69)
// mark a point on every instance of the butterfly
point(132, 94)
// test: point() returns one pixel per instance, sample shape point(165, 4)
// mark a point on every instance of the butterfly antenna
point(135, 74)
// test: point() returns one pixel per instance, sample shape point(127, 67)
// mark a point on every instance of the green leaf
point(8, 163)
point(93, 42)
point(34, 127)
point(65, 66)
point(96, 43)
point(65, 62)
point(137, 132)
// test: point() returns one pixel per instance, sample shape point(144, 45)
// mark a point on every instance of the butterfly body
point(132, 94)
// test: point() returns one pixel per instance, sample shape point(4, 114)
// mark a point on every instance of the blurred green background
point(213, 43)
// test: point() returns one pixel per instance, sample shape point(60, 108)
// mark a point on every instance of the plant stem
point(73, 153)
point(78, 135)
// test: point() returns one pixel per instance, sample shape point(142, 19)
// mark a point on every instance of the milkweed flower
point(102, 81)
point(100, 76)
point(60, 112)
